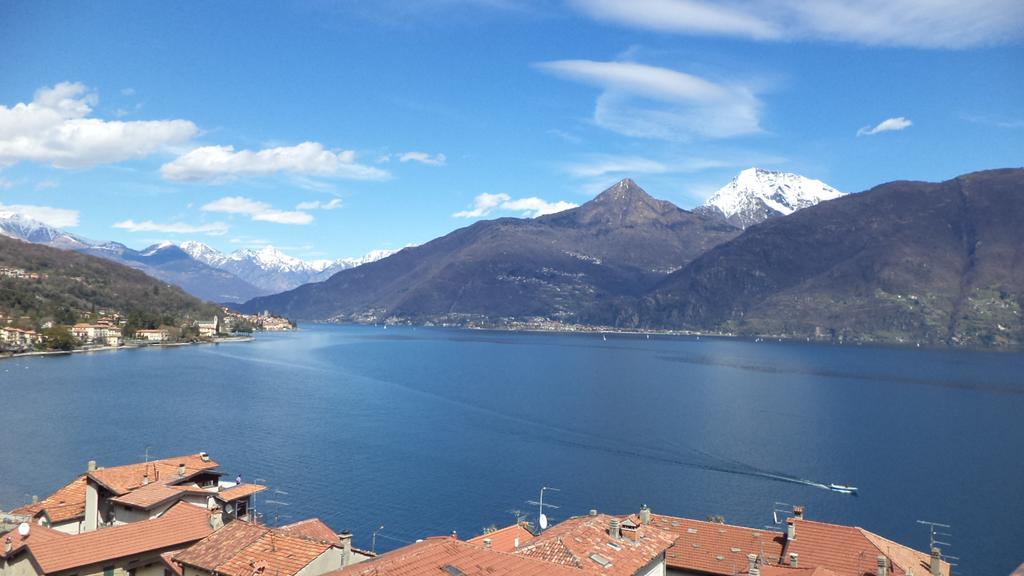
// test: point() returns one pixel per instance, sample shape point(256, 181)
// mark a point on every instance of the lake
point(426, 431)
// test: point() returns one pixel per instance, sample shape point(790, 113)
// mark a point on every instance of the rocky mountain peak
point(756, 195)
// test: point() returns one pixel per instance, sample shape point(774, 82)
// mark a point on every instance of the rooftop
point(239, 546)
point(584, 542)
point(123, 479)
point(67, 503)
point(447, 556)
point(716, 548)
point(507, 539)
point(179, 526)
point(315, 529)
point(37, 534)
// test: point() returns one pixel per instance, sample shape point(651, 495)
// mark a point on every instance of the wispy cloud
point(423, 158)
point(332, 204)
point(652, 102)
point(56, 217)
point(485, 204)
point(604, 164)
point(916, 23)
point(212, 229)
point(55, 129)
point(887, 125)
point(223, 163)
point(256, 210)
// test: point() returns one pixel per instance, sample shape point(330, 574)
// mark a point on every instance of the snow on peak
point(755, 195)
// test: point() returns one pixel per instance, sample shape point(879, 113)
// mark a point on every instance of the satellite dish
point(230, 509)
point(543, 521)
point(23, 529)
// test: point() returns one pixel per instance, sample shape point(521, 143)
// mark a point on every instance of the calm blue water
point(427, 431)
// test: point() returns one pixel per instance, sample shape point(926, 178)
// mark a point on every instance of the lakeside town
point(184, 516)
point(110, 329)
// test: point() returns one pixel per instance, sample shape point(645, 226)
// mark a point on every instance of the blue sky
point(333, 128)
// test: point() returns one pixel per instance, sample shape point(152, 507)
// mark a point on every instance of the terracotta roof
point(67, 503)
point(444, 556)
point(584, 542)
point(37, 534)
point(314, 528)
point(148, 496)
point(238, 547)
point(716, 548)
point(123, 479)
point(787, 571)
point(167, 558)
point(507, 539)
point(240, 491)
point(851, 551)
point(181, 525)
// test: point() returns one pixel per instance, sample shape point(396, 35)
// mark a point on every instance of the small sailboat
point(842, 488)
point(604, 337)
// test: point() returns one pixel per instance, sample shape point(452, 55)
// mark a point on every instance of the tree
point(59, 338)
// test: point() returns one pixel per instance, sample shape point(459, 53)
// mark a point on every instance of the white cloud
point(682, 16)
point(6, 184)
point(423, 158)
point(332, 204)
point(221, 163)
point(887, 125)
point(212, 229)
point(485, 204)
point(46, 184)
point(54, 129)
point(916, 23)
point(652, 102)
point(256, 210)
point(599, 165)
point(56, 217)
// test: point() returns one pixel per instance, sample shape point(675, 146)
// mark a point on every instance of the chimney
point(346, 547)
point(90, 466)
point(216, 518)
point(883, 565)
point(798, 512)
point(793, 558)
point(613, 529)
point(487, 543)
point(752, 568)
point(35, 499)
point(8, 545)
point(204, 456)
point(145, 479)
point(645, 515)
point(790, 529)
point(181, 469)
point(515, 543)
point(593, 512)
point(936, 564)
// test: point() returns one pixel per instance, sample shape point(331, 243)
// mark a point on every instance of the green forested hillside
point(72, 285)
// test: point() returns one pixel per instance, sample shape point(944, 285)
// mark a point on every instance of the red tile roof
point(179, 526)
point(507, 539)
point(584, 542)
point(67, 503)
point(715, 548)
point(240, 547)
point(148, 496)
point(240, 491)
point(123, 479)
point(444, 556)
point(851, 551)
point(314, 528)
point(37, 534)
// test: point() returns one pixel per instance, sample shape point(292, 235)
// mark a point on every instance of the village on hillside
point(184, 516)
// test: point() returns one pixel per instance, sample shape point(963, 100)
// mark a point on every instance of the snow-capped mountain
point(15, 225)
point(271, 269)
point(756, 195)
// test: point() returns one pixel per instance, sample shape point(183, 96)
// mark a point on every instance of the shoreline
point(45, 353)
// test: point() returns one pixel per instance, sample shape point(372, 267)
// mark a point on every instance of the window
point(241, 508)
point(108, 571)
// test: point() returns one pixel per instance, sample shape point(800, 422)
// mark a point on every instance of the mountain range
point(903, 262)
point(194, 266)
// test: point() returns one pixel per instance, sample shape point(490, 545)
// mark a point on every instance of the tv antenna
point(542, 518)
point(935, 537)
point(277, 506)
point(146, 455)
point(779, 512)
point(373, 544)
